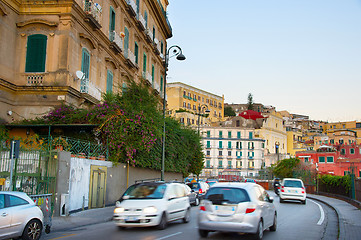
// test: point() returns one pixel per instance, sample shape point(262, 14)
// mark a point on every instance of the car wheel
point(32, 230)
point(203, 233)
point(303, 202)
point(281, 200)
point(259, 233)
point(187, 216)
point(274, 226)
point(163, 222)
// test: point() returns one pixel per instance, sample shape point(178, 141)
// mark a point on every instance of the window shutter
point(126, 42)
point(85, 63)
point(109, 81)
point(36, 53)
point(144, 62)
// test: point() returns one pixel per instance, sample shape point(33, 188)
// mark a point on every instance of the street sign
point(14, 149)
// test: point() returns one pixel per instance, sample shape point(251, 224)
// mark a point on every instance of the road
point(295, 221)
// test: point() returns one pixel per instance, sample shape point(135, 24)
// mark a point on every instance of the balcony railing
point(142, 22)
point(129, 55)
point(117, 41)
point(88, 87)
point(133, 7)
point(93, 11)
point(149, 34)
point(35, 79)
point(147, 76)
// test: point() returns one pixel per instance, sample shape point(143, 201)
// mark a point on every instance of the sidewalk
point(83, 218)
point(349, 217)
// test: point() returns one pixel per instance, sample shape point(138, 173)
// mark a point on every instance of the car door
point(172, 203)
point(5, 218)
point(262, 205)
point(19, 211)
point(268, 207)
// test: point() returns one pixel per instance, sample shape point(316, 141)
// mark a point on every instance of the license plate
point(225, 208)
point(131, 219)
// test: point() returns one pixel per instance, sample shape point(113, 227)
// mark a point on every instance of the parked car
point(192, 195)
point(292, 189)
point(237, 207)
point(152, 204)
point(199, 187)
point(19, 216)
point(249, 180)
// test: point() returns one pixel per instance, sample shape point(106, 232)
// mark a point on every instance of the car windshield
point(219, 195)
point(292, 183)
point(211, 183)
point(194, 185)
point(145, 191)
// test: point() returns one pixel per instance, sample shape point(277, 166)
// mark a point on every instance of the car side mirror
point(192, 190)
point(271, 199)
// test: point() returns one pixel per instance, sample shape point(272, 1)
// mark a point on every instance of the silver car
point(237, 207)
point(19, 216)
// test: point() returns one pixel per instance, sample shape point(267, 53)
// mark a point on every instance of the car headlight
point(148, 210)
point(119, 210)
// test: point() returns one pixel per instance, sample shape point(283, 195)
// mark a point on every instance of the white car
point(152, 204)
point(237, 207)
point(19, 216)
point(292, 189)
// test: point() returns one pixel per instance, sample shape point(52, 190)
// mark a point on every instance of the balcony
point(156, 46)
point(148, 77)
point(149, 35)
point(250, 157)
point(129, 55)
point(156, 88)
point(132, 8)
point(93, 13)
point(141, 22)
point(116, 42)
point(87, 86)
point(35, 79)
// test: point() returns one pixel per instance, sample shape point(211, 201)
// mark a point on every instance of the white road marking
point(322, 217)
point(168, 236)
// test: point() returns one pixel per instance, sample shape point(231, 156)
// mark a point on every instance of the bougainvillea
point(131, 125)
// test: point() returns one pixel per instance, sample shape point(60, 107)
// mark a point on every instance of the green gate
point(34, 170)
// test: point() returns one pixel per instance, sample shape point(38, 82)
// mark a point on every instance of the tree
point(250, 103)
point(286, 167)
point(229, 112)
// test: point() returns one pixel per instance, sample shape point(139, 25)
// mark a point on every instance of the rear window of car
point(292, 183)
point(219, 195)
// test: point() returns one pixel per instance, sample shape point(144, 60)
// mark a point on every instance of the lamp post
point(177, 51)
point(200, 110)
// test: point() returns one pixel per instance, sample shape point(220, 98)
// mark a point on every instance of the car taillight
point(250, 210)
point(202, 208)
point(200, 190)
point(282, 190)
point(303, 190)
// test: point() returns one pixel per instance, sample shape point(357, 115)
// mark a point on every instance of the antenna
point(80, 75)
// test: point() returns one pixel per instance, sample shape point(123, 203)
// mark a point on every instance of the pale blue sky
point(303, 56)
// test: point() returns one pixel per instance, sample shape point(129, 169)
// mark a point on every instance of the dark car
point(199, 187)
point(192, 195)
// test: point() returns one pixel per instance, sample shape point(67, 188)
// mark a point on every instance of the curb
point(81, 225)
point(336, 211)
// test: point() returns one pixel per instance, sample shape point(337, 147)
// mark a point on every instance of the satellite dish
point(79, 74)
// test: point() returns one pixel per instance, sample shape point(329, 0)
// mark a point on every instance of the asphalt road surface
point(295, 221)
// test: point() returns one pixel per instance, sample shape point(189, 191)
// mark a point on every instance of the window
point(238, 123)
point(220, 144)
point(208, 144)
point(161, 46)
point(250, 135)
point(220, 153)
point(208, 163)
point(239, 164)
point(229, 153)
point(220, 134)
point(208, 153)
point(321, 159)
point(343, 151)
point(161, 85)
point(230, 164)
point(220, 163)
point(85, 64)
point(109, 81)
point(146, 19)
point(208, 133)
point(307, 159)
point(126, 42)
point(111, 23)
point(330, 159)
point(153, 33)
point(352, 151)
point(136, 52)
point(124, 87)
point(152, 75)
point(144, 63)
point(16, 201)
point(229, 134)
point(238, 154)
point(238, 135)
point(229, 144)
point(36, 53)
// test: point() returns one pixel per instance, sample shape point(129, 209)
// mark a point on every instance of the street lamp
point(177, 51)
point(200, 110)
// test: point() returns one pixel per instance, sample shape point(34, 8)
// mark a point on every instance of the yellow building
point(189, 104)
point(330, 128)
point(295, 142)
point(64, 51)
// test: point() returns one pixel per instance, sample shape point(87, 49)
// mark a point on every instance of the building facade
point(55, 52)
point(232, 148)
point(189, 105)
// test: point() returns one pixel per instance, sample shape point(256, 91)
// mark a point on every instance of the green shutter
point(152, 75)
point(109, 81)
point(126, 42)
point(136, 52)
point(111, 22)
point(85, 63)
point(144, 62)
point(146, 19)
point(161, 84)
point(36, 53)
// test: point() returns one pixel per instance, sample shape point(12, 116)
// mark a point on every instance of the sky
point(302, 56)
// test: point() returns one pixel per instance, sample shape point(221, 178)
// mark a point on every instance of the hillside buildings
point(72, 52)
